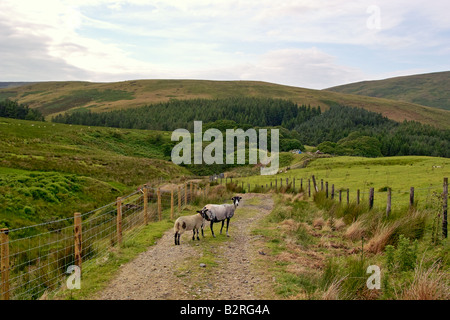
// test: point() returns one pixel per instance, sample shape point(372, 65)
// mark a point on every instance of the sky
point(305, 43)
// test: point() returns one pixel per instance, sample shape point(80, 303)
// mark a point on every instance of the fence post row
point(316, 189)
point(185, 194)
point(145, 205)
point(171, 205)
point(78, 239)
point(119, 220)
point(371, 197)
point(179, 199)
point(4, 264)
point(411, 197)
point(159, 203)
point(445, 208)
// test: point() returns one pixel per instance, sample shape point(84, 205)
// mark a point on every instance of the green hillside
point(431, 89)
point(49, 171)
point(53, 98)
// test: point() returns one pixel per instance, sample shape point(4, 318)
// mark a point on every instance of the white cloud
point(276, 41)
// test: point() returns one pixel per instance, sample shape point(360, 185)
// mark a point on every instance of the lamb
point(221, 212)
point(187, 223)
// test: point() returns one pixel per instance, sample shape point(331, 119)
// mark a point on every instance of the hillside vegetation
point(49, 171)
point(343, 130)
point(52, 98)
point(431, 89)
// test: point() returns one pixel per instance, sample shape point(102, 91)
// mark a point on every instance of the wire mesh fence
point(35, 260)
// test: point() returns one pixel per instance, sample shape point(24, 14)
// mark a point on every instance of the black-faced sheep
point(187, 223)
point(221, 212)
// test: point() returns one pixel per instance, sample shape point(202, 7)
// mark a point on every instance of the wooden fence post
point(185, 194)
point(445, 208)
point(171, 205)
point(146, 205)
point(4, 264)
point(340, 195)
point(388, 204)
point(190, 190)
point(371, 198)
point(321, 184)
point(119, 220)
point(179, 199)
point(411, 197)
point(158, 192)
point(326, 189)
point(78, 238)
point(309, 188)
point(357, 196)
point(332, 191)
point(276, 184)
point(316, 189)
point(348, 196)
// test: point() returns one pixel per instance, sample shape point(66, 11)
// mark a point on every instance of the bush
point(40, 193)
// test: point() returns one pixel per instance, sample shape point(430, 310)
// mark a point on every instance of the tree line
point(168, 116)
point(12, 109)
point(339, 130)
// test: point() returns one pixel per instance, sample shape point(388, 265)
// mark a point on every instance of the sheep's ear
point(240, 198)
point(199, 211)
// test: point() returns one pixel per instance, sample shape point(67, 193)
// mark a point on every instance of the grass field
point(53, 98)
point(425, 174)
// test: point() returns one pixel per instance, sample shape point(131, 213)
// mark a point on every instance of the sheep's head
point(236, 200)
point(203, 213)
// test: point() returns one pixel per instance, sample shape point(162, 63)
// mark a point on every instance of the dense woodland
point(340, 130)
point(176, 114)
point(12, 109)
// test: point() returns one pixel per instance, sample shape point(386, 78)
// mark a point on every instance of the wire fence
point(35, 259)
point(424, 196)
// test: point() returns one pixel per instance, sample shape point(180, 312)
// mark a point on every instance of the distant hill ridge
point(430, 89)
point(53, 98)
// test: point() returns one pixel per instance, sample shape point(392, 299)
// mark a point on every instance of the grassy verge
point(322, 250)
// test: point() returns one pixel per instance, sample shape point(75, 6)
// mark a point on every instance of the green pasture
point(425, 174)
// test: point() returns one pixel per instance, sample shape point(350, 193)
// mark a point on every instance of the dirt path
point(167, 271)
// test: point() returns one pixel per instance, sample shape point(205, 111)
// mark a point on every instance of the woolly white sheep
point(221, 212)
point(187, 223)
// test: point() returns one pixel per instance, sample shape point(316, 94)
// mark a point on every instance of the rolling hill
point(430, 89)
point(53, 98)
point(50, 170)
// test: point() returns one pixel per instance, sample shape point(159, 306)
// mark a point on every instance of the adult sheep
point(187, 223)
point(221, 212)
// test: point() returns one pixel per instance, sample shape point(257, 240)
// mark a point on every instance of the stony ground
point(221, 268)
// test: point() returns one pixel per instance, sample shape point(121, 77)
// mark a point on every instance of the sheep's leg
point(198, 238)
point(228, 223)
point(223, 221)
point(212, 231)
point(176, 242)
point(202, 232)
point(193, 234)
